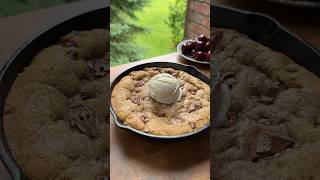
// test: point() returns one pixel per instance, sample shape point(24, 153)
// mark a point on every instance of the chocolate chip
point(136, 99)
point(267, 144)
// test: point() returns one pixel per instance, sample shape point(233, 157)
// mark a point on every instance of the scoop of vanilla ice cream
point(165, 88)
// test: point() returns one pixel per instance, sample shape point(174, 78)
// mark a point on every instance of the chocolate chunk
point(86, 120)
point(136, 99)
point(98, 67)
point(267, 144)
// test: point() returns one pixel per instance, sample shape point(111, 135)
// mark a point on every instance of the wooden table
point(304, 22)
point(136, 157)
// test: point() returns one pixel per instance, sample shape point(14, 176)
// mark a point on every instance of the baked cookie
point(273, 129)
point(133, 105)
point(55, 121)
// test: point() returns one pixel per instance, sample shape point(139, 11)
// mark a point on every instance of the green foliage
point(12, 7)
point(157, 40)
point(122, 31)
point(176, 20)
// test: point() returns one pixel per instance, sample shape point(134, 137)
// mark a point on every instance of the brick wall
point(197, 18)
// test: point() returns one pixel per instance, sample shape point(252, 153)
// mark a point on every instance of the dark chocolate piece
point(83, 117)
point(267, 144)
point(136, 99)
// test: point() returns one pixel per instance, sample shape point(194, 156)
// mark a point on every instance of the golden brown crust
point(133, 105)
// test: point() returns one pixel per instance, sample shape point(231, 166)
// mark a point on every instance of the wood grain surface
point(136, 157)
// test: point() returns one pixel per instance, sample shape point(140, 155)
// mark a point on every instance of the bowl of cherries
point(196, 50)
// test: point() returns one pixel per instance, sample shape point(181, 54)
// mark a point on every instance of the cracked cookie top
point(272, 129)
point(133, 105)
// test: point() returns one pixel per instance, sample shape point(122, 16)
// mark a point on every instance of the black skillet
point(268, 32)
point(186, 68)
point(94, 19)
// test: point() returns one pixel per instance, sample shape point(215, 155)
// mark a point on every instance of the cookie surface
point(272, 129)
point(54, 118)
point(133, 105)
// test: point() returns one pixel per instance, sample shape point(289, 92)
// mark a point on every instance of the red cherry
point(192, 43)
point(199, 56)
point(186, 48)
point(202, 38)
point(199, 46)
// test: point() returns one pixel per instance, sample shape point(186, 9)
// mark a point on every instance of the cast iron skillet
point(94, 19)
point(268, 32)
point(189, 69)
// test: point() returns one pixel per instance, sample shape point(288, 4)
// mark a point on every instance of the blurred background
point(142, 29)
point(14, 7)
